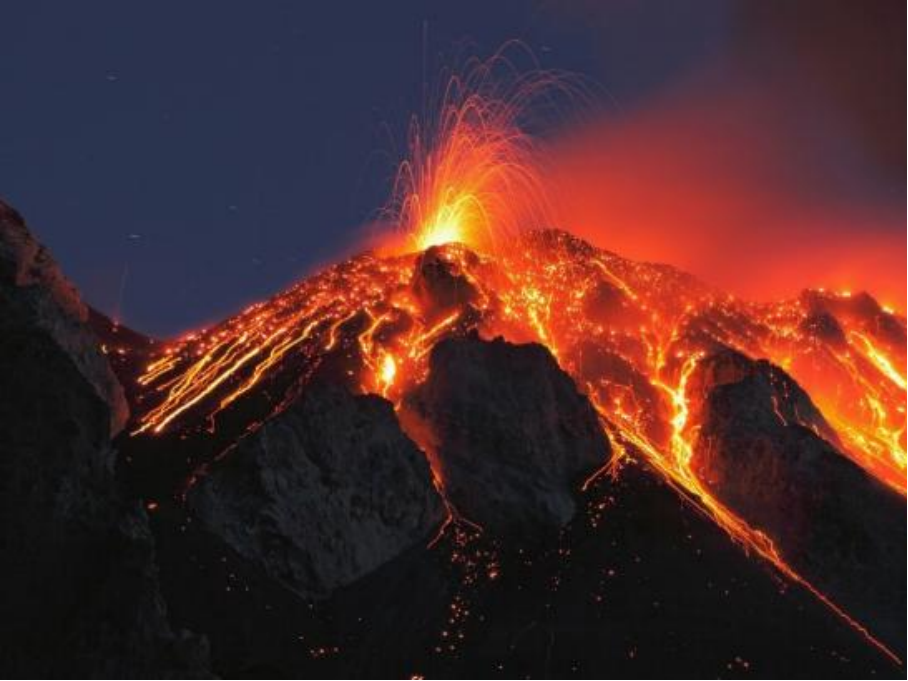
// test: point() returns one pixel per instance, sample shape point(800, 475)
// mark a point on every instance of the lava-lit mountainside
point(637, 338)
point(630, 333)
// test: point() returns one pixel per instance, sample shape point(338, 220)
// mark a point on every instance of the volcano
point(447, 460)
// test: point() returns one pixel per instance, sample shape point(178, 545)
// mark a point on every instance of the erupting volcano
point(478, 258)
point(783, 423)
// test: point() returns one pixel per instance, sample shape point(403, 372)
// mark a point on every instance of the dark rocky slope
point(636, 583)
point(78, 581)
point(38, 299)
point(509, 432)
point(766, 451)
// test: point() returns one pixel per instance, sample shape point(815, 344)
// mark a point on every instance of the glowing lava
point(473, 175)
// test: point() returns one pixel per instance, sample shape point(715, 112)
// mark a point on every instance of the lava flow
point(478, 256)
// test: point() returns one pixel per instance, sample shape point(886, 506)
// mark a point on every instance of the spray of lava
point(473, 175)
point(632, 333)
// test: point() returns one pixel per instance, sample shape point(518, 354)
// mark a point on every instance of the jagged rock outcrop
point(323, 493)
point(511, 436)
point(600, 365)
point(439, 282)
point(44, 298)
point(78, 580)
point(763, 385)
point(766, 451)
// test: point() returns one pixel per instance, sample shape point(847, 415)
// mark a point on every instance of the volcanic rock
point(825, 328)
point(769, 385)
point(34, 285)
point(860, 310)
point(596, 363)
point(765, 450)
point(323, 493)
point(439, 282)
point(610, 305)
point(638, 580)
point(511, 436)
point(78, 581)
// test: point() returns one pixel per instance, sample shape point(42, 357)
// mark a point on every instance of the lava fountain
point(473, 175)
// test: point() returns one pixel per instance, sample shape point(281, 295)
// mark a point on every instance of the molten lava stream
point(674, 465)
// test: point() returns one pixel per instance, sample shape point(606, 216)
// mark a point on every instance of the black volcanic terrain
point(403, 481)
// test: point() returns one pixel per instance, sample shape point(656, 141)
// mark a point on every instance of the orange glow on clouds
point(726, 187)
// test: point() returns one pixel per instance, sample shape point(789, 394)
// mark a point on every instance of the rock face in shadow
point(323, 493)
point(638, 582)
point(41, 296)
point(439, 282)
point(78, 581)
point(765, 450)
point(511, 436)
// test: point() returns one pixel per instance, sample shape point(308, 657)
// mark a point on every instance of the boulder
point(440, 283)
point(321, 494)
point(765, 451)
point(511, 436)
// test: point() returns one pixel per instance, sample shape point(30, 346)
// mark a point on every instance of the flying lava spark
point(476, 252)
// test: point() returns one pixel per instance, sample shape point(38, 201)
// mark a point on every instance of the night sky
point(182, 159)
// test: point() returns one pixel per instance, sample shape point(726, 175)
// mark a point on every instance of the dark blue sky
point(219, 150)
point(244, 143)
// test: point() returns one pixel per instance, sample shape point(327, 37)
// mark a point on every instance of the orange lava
point(473, 175)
